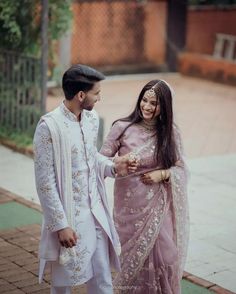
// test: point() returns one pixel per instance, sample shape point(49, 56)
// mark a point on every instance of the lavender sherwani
point(70, 184)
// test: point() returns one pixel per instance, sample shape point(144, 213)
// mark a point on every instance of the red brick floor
point(19, 262)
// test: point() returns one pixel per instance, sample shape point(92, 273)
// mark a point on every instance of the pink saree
point(151, 220)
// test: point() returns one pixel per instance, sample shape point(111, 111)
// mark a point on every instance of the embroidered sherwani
point(69, 179)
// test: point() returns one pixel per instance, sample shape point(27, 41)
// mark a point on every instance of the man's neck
point(70, 104)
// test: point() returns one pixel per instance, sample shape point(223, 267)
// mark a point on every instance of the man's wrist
point(113, 170)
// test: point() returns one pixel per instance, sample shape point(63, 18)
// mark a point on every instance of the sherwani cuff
point(110, 170)
point(59, 226)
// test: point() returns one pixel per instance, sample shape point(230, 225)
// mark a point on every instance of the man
point(78, 240)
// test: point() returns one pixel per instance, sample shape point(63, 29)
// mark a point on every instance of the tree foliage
point(20, 23)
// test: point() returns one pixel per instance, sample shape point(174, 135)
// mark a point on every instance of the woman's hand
point(155, 177)
point(152, 177)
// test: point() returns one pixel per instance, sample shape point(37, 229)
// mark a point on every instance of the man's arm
point(54, 214)
point(121, 165)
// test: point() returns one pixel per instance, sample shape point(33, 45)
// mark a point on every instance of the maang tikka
point(151, 92)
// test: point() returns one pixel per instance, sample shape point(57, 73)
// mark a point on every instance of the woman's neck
point(149, 124)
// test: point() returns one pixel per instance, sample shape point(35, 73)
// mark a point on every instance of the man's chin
point(89, 108)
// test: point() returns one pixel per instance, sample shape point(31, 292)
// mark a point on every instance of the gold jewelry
point(148, 125)
point(163, 174)
point(167, 179)
point(151, 92)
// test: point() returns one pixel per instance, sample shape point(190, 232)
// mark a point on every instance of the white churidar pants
point(101, 282)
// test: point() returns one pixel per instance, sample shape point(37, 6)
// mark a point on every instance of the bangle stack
point(164, 176)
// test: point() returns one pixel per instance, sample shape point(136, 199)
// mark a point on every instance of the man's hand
point(67, 237)
point(125, 164)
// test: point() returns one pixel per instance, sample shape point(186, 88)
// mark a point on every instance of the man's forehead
point(96, 86)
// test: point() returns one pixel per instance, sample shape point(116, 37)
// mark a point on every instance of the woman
point(150, 206)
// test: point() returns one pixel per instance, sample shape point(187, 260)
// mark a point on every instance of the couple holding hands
point(146, 239)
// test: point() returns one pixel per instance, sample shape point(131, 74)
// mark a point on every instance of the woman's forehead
point(150, 98)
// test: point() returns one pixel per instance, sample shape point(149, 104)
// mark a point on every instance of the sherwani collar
point(70, 115)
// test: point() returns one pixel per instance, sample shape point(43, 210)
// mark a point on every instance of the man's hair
point(79, 78)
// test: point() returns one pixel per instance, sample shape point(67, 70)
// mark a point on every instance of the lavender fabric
point(151, 220)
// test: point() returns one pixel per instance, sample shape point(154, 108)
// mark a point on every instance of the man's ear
point(81, 96)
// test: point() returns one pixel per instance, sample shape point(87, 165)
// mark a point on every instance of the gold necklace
point(148, 125)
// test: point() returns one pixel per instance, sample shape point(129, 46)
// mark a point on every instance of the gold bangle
point(162, 175)
point(167, 178)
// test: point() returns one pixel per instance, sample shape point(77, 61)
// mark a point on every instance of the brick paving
point(19, 259)
point(19, 262)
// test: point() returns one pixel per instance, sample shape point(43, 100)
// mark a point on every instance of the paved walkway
point(205, 113)
point(19, 238)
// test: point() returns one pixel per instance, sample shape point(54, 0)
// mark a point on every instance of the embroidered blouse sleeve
point(112, 143)
point(54, 215)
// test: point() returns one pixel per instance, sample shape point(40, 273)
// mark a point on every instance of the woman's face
point(150, 107)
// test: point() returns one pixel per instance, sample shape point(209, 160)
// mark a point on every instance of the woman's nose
point(146, 106)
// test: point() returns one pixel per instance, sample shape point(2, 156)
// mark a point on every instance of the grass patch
point(19, 139)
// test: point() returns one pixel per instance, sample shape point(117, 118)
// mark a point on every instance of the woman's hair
point(165, 151)
point(79, 78)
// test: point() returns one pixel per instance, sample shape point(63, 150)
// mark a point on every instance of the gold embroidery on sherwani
point(82, 137)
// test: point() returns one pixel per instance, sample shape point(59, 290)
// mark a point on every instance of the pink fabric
point(152, 220)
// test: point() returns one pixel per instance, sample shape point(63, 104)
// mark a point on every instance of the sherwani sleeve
point(45, 177)
point(109, 165)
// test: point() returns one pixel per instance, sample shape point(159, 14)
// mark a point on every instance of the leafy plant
point(20, 23)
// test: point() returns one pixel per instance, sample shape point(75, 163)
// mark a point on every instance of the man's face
point(92, 96)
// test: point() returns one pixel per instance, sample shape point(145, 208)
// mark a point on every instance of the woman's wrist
point(165, 175)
